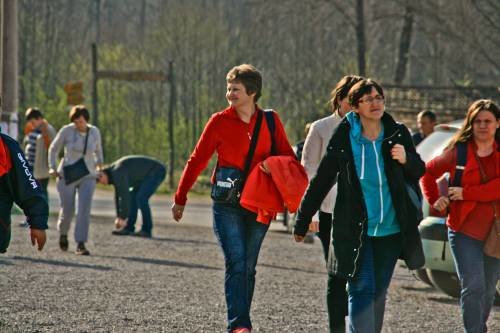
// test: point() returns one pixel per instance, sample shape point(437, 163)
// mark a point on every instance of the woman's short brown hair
point(249, 77)
point(78, 111)
point(363, 87)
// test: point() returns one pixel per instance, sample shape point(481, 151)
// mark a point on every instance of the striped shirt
point(30, 148)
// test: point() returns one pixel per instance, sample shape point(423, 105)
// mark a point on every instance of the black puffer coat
point(350, 213)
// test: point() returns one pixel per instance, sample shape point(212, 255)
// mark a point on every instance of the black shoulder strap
point(271, 125)
point(86, 140)
point(461, 161)
point(253, 144)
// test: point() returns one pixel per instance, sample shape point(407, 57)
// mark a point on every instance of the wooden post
point(360, 36)
point(95, 114)
point(171, 110)
point(8, 72)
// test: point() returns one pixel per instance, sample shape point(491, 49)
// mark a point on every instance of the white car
point(439, 270)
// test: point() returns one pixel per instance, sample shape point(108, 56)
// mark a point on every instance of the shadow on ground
point(63, 263)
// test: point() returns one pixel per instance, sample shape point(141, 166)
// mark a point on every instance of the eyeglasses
point(371, 100)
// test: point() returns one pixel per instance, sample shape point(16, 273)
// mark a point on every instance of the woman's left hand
point(263, 167)
point(455, 193)
point(398, 153)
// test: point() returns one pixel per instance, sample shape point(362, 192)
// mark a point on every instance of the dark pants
point(478, 274)
point(240, 236)
point(139, 199)
point(368, 288)
point(336, 294)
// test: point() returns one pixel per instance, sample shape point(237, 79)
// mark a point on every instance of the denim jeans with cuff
point(240, 237)
point(478, 274)
point(367, 290)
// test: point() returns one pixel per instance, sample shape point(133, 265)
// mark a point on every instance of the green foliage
point(301, 47)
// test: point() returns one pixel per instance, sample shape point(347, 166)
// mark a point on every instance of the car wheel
point(422, 276)
point(446, 282)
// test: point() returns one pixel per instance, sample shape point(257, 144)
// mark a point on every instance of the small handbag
point(78, 170)
point(491, 245)
point(229, 181)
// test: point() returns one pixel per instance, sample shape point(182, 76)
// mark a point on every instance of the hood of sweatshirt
point(369, 164)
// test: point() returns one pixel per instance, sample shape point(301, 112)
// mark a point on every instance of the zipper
point(392, 135)
point(379, 187)
point(358, 250)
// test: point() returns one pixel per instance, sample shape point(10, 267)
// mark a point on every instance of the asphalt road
point(174, 283)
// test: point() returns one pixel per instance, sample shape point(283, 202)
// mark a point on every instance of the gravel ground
point(174, 283)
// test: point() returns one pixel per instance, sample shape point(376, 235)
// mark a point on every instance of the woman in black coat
point(375, 164)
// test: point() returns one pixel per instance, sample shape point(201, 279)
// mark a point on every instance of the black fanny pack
point(78, 170)
point(229, 181)
point(228, 185)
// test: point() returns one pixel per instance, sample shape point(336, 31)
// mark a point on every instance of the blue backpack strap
point(461, 161)
point(271, 125)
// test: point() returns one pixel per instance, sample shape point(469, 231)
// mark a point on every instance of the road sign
point(74, 92)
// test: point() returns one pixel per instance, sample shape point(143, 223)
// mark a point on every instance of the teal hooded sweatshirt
point(369, 164)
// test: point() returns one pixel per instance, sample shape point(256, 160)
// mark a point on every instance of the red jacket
point(268, 194)
point(229, 136)
point(473, 190)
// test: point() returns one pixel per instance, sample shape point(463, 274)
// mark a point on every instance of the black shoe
point(142, 233)
point(81, 250)
point(63, 242)
point(122, 232)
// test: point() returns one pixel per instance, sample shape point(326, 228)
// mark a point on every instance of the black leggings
point(336, 295)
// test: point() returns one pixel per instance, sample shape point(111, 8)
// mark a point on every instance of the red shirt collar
point(231, 111)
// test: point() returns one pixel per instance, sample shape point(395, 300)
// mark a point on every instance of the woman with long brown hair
point(472, 202)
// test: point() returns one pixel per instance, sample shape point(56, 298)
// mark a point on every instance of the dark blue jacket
point(130, 172)
point(19, 185)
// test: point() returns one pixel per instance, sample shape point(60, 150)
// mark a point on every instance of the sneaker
point(122, 232)
point(63, 242)
point(241, 330)
point(142, 233)
point(81, 250)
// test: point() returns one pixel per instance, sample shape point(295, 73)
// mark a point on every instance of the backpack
point(271, 125)
point(461, 161)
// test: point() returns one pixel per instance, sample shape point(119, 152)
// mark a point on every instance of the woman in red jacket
point(471, 208)
point(229, 134)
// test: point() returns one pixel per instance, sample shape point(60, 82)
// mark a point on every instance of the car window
point(434, 144)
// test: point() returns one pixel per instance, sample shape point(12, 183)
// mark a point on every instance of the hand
point(177, 211)
point(263, 167)
point(441, 203)
point(455, 193)
point(38, 238)
point(54, 173)
point(314, 226)
point(298, 238)
point(44, 125)
point(398, 153)
point(120, 223)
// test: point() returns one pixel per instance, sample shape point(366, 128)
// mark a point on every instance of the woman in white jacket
point(314, 148)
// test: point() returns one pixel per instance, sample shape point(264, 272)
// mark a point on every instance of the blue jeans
point(139, 199)
point(478, 274)
point(240, 238)
point(367, 290)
